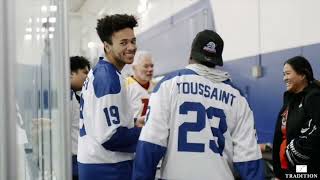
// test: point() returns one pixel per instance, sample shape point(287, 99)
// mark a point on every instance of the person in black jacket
point(297, 133)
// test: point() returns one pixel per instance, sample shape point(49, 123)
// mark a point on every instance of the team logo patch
point(210, 47)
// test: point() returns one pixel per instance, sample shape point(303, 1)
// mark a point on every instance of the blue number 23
point(202, 115)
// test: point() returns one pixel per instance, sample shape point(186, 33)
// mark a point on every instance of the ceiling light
point(28, 37)
point(44, 20)
point(53, 8)
point(29, 30)
point(44, 8)
point(52, 19)
point(143, 6)
point(91, 45)
point(51, 29)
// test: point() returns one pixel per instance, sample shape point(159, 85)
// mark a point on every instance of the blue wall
point(265, 94)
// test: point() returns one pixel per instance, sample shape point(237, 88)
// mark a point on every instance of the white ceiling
point(101, 7)
point(75, 5)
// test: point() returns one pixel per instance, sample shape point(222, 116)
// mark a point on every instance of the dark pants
point(74, 168)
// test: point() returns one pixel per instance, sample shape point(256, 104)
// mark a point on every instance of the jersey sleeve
point(153, 140)
point(109, 123)
point(116, 134)
point(247, 155)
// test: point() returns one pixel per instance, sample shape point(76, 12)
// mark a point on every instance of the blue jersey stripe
point(123, 140)
point(103, 171)
point(106, 80)
point(172, 75)
point(147, 158)
point(82, 131)
point(250, 170)
point(240, 91)
point(235, 87)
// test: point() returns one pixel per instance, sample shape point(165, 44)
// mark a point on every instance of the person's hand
point(140, 121)
point(262, 147)
point(265, 147)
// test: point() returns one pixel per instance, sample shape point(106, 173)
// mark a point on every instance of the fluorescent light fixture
point(37, 30)
point(43, 29)
point(44, 20)
point(43, 36)
point(38, 36)
point(30, 20)
point(50, 36)
point(29, 30)
point(91, 45)
point(52, 19)
point(51, 29)
point(44, 8)
point(38, 20)
point(53, 8)
point(143, 6)
point(28, 37)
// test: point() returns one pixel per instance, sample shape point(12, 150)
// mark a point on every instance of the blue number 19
point(112, 115)
point(202, 115)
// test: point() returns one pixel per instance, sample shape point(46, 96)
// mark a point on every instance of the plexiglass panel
point(7, 96)
point(41, 90)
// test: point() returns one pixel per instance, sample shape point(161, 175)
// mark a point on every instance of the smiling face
point(122, 49)
point(295, 82)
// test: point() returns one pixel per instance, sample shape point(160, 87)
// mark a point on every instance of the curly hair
point(109, 24)
point(78, 62)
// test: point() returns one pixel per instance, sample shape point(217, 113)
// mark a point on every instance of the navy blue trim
point(103, 171)
point(106, 80)
point(123, 140)
point(250, 170)
point(228, 81)
point(71, 94)
point(172, 75)
point(82, 131)
point(146, 160)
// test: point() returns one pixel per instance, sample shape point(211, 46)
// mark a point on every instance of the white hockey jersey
point(204, 130)
point(75, 117)
point(138, 96)
point(108, 137)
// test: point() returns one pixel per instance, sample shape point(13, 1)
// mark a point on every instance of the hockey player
point(140, 84)
point(199, 123)
point(79, 68)
point(108, 135)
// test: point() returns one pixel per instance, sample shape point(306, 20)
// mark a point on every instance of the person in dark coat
point(297, 132)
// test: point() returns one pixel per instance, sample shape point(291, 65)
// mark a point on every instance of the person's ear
point(106, 46)
point(71, 75)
